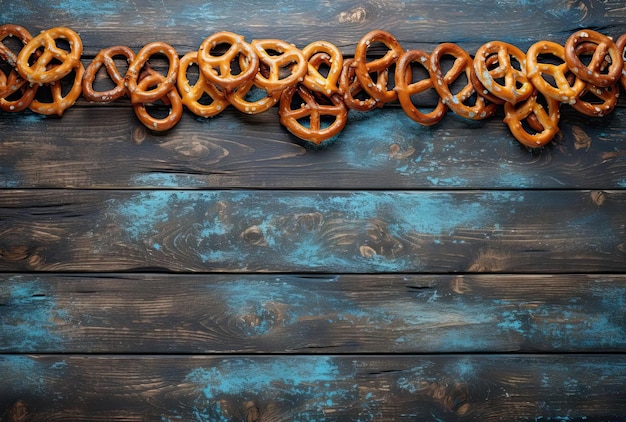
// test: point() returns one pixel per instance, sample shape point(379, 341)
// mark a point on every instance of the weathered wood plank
point(287, 231)
point(324, 388)
point(114, 313)
point(106, 147)
point(424, 23)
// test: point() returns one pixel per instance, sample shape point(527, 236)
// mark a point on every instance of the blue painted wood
point(295, 231)
point(312, 314)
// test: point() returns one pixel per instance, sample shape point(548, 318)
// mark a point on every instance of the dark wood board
point(316, 388)
point(323, 231)
point(313, 314)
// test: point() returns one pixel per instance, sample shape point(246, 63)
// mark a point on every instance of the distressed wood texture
point(224, 272)
point(316, 314)
point(317, 388)
point(294, 231)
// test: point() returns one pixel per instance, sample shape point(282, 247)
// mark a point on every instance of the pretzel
point(350, 88)
point(41, 71)
point(621, 47)
point(13, 82)
point(314, 112)
point(490, 62)
point(191, 94)
point(594, 73)
point(545, 125)
point(140, 93)
point(516, 85)
point(219, 69)
point(564, 91)
point(378, 90)
point(150, 78)
point(406, 88)
point(313, 79)
point(287, 60)
point(60, 102)
point(462, 64)
point(105, 57)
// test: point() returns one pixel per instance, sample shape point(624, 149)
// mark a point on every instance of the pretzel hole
point(13, 43)
point(102, 81)
point(219, 49)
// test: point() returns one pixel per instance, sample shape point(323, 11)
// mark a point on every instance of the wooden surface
point(224, 272)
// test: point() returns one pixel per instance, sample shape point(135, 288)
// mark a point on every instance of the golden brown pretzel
point(151, 78)
point(377, 89)
point(278, 58)
point(218, 69)
point(246, 99)
point(516, 85)
point(11, 30)
point(43, 69)
point(191, 94)
point(350, 88)
point(405, 87)
point(544, 122)
point(105, 57)
point(563, 91)
point(13, 82)
point(621, 47)
point(594, 73)
point(480, 88)
point(60, 101)
point(463, 63)
point(314, 112)
point(314, 80)
point(139, 93)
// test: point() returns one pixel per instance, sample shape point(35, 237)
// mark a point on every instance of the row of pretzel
point(315, 87)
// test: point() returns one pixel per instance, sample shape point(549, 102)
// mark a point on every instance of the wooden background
point(223, 272)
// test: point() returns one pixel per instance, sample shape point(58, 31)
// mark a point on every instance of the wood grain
point(316, 314)
point(322, 388)
point(325, 231)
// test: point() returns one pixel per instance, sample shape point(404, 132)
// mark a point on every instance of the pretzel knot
point(510, 68)
point(139, 92)
point(43, 68)
point(60, 101)
point(333, 58)
point(595, 72)
point(311, 113)
point(381, 66)
point(150, 78)
point(221, 69)
point(15, 93)
point(463, 65)
point(192, 94)
point(542, 123)
point(105, 58)
point(406, 88)
point(562, 90)
point(352, 91)
point(278, 58)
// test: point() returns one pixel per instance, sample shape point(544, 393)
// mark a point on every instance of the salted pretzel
point(463, 64)
point(377, 89)
point(60, 101)
point(221, 69)
point(516, 86)
point(492, 63)
point(350, 89)
point(621, 47)
point(43, 68)
point(105, 58)
point(313, 79)
point(405, 87)
point(150, 78)
point(250, 98)
point(283, 63)
point(141, 93)
point(13, 82)
point(594, 73)
point(192, 94)
point(563, 91)
point(545, 123)
point(313, 108)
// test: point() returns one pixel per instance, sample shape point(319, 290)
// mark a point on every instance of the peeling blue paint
point(30, 312)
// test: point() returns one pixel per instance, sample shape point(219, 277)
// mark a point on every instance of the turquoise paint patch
point(167, 180)
point(307, 385)
point(29, 313)
point(87, 9)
